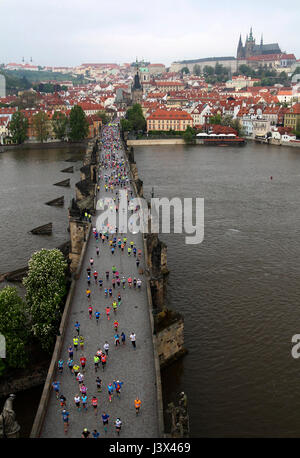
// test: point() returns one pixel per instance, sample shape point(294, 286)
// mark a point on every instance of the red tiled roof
point(272, 57)
point(172, 114)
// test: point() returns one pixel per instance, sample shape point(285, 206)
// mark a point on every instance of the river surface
point(26, 183)
point(239, 289)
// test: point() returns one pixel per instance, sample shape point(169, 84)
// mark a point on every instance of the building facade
point(169, 120)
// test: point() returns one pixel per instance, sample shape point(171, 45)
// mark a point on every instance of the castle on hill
point(251, 49)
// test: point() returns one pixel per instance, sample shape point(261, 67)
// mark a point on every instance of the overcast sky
point(71, 32)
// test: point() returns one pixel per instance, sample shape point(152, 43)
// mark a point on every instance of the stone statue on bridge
point(9, 427)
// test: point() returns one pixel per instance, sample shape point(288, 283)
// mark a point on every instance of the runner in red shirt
point(90, 311)
point(83, 362)
point(94, 403)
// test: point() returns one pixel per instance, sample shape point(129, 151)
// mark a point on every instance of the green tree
point(78, 124)
point(18, 127)
point(135, 116)
point(217, 119)
point(246, 70)
point(60, 123)
point(185, 70)
point(103, 116)
point(126, 125)
point(296, 71)
point(41, 126)
point(208, 70)
point(45, 289)
point(14, 327)
point(189, 135)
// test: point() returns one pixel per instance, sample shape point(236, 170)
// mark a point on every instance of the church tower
point(137, 90)
point(250, 45)
point(240, 49)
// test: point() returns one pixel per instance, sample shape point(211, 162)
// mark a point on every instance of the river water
point(239, 289)
point(26, 183)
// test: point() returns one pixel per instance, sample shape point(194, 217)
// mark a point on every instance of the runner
point(103, 361)
point(70, 351)
point(85, 434)
point(81, 342)
point(118, 425)
point(117, 339)
point(70, 364)
point(84, 401)
point(90, 312)
point(65, 416)
point(94, 403)
point(62, 400)
point(56, 388)
point(118, 386)
point(107, 310)
point(80, 378)
point(110, 391)
point(76, 370)
point(105, 418)
point(99, 384)
point(106, 347)
point(96, 362)
point(97, 316)
point(123, 338)
point(77, 402)
point(83, 362)
point(60, 366)
point(75, 342)
point(95, 434)
point(95, 276)
point(77, 327)
point(137, 405)
point(133, 339)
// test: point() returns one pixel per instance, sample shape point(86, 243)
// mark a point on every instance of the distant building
point(228, 62)
point(292, 116)
point(156, 69)
point(169, 120)
point(136, 89)
point(2, 86)
point(252, 49)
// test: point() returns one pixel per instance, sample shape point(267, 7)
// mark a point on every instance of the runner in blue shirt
point(56, 387)
point(105, 418)
point(84, 401)
point(110, 391)
point(65, 416)
point(60, 366)
point(97, 315)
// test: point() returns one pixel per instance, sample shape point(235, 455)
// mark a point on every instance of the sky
point(72, 32)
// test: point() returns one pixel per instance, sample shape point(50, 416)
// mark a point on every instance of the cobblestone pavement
point(134, 367)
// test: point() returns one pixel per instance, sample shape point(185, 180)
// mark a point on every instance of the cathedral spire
point(250, 36)
point(261, 40)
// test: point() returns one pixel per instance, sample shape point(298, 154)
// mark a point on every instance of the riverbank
point(158, 141)
point(44, 145)
point(275, 142)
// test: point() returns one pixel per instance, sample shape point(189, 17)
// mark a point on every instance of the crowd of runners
point(104, 307)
